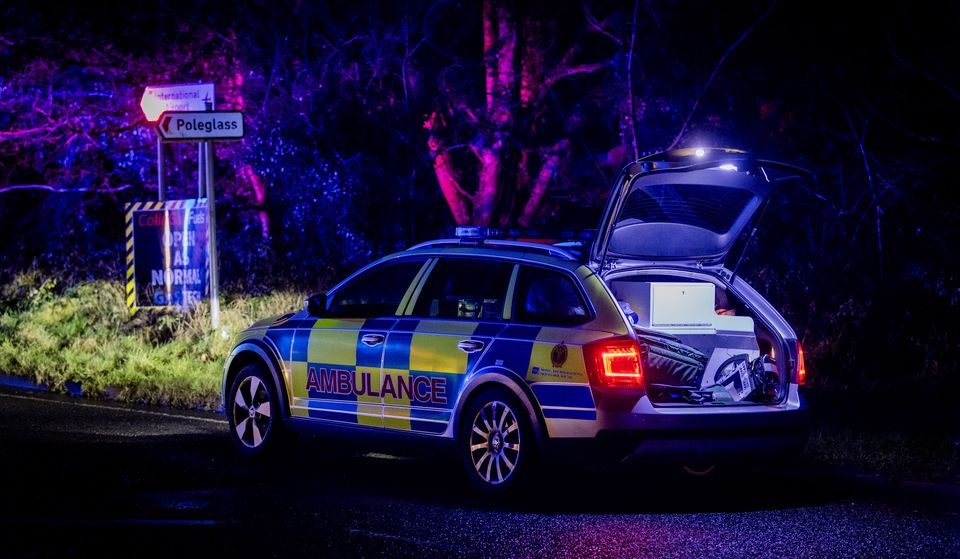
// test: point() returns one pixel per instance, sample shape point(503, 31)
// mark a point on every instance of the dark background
point(336, 168)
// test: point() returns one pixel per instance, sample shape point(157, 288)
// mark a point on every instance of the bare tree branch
point(62, 190)
point(563, 72)
point(547, 171)
point(633, 112)
point(878, 211)
point(716, 69)
point(457, 198)
point(929, 76)
point(598, 25)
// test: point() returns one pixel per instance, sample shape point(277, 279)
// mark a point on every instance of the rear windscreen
point(710, 207)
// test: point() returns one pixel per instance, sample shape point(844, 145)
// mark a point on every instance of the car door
point(550, 303)
point(451, 319)
point(337, 360)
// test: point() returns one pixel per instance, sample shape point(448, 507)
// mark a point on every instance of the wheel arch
point(255, 352)
point(495, 376)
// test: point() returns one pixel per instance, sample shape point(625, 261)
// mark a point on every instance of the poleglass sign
point(194, 126)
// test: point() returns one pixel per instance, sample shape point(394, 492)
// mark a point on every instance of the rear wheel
point(496, 441)
point(253, 412)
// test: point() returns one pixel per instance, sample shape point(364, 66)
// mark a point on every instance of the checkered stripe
point(428, 348)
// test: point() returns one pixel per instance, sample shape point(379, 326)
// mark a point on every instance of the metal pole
point(212, 235)
point(201, 153)
point(200, 171)
point(161, 190)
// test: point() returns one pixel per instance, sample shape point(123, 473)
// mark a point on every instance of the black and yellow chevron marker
point(128, 228)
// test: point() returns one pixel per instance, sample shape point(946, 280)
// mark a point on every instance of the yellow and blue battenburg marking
point(325, 349)
point(407, 374)
point(553, 367)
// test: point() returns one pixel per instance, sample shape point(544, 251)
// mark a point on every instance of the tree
point(510, 152)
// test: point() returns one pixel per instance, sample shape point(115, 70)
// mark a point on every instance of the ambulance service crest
point(559, 355)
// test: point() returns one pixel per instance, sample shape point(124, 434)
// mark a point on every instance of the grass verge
point(84, 334)
point(897, 455)
point(904, 430)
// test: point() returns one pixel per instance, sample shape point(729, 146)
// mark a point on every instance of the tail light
point(614, 362)
point(801, 366)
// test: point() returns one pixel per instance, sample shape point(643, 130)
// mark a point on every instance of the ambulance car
point(642, 345)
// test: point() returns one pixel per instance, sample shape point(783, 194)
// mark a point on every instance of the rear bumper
point(678, 446)
point(683, 436)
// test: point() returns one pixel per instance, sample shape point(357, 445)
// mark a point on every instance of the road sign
point(188, 107)
point(198, 126)
point(181, 97)
point(168, 254)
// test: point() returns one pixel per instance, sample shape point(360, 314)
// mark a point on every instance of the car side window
point(465, 289)
point(548, 297)
point(376, 293)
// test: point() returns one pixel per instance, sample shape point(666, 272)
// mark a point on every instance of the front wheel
point(496, 441)
point(253, 412)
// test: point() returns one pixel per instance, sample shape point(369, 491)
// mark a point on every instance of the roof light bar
point(482, 232)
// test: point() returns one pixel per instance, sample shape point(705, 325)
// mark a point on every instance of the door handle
point(470, 346)
point(371, 340)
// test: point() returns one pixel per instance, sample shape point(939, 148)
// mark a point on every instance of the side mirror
point(317, 304)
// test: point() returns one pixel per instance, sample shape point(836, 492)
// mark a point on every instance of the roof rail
point(436, 243)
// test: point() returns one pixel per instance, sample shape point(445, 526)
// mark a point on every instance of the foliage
point(81, 334)
point(934, 457)
point(887, 429)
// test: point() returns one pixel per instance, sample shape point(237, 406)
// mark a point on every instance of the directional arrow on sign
point(200, 126)
point(180, 97)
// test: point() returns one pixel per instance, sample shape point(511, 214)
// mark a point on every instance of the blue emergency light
point(479, 232)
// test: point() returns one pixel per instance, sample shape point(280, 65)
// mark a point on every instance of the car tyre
point(253, 413)
point(497, 442)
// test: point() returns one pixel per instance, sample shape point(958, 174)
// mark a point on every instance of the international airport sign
point(180, 97)
point(167, 254)
point(200, 126)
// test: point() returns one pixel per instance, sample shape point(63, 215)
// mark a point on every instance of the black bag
point(670, 363)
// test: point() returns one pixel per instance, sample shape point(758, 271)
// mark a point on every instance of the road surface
point(84, 479)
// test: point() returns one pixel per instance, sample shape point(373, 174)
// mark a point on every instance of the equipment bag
point(668, 362)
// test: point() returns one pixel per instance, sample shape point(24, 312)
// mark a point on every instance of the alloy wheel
point(495, 442)
point(251, 412)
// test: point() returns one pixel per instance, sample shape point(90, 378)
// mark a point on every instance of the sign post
point(205, 127)
point(184, 113)
point(161, 189)
point(207, 147)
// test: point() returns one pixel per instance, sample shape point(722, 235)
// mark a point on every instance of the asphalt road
point(85, 479)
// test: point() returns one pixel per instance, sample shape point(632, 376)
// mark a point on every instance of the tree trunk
point(515, 85)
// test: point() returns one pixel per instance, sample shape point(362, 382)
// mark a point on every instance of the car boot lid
point(685, 207)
